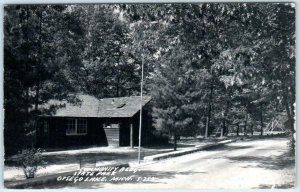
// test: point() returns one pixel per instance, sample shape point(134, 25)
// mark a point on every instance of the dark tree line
point(220, 66)
point(208, 67)
point(54, 50)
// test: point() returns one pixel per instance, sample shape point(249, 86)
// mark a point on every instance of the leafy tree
point(231, 41)
point(106, 68)
point(218, 65)
point(34, 67)
point(279, 62)
point(177, 96)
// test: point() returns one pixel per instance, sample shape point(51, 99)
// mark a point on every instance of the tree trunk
point(223, 128)
point(37, 92)
point(38, 83)
point(290, 111)
point(223, 132)
point(238, 130)
point(175, 141)
point(293, 125)
point(117, 89)
point(209, 108)
point(27, 104)
point(251, 129)
point(26, 65)
point(118, 81)
point(261, 120)
point(245, 128)
point(206, 128)
point(289, 107)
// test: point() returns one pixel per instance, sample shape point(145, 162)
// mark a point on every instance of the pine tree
point(177, 96)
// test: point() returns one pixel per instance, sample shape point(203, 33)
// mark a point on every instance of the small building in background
point(94, 122)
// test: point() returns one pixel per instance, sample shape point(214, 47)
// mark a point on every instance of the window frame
point(110, 125)
point(77, 123)
point(44, 127)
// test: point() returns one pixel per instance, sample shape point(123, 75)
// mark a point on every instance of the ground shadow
point(170, 146)
point(91, 157)
point(226, 148)
point(273, 162)
point(158, 175)
point(76, 158)
point(282, 186)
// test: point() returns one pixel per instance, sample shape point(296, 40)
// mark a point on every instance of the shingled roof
point(90, 106)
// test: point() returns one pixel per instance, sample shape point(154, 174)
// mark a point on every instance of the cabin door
point(125, 135)
point(112, 132)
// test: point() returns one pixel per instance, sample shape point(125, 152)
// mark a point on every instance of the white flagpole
point(141, 107)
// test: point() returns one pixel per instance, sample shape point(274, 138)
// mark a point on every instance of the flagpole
point(141, 107)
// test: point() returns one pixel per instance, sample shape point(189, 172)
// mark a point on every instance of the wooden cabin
point(94, 122)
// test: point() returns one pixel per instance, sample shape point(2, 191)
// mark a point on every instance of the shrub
point(31, 160)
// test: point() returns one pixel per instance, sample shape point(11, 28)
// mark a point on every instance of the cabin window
point(111, 125)
point(76, 126)
point(44, 127)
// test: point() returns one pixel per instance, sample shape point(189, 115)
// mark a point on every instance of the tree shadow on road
point(273, 162)
point(227, 148)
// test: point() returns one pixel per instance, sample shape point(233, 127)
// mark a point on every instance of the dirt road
point(244, 164)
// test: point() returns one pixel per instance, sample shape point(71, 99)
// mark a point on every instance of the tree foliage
point(210, 64)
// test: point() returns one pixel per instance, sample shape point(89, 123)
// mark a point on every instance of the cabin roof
point(90, 106)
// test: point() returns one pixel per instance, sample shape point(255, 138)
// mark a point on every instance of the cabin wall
point(57, 138)
point(146, 127)
point(117, 136)
point(96, 135)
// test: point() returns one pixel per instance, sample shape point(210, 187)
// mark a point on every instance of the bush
point(157, 138)
point(31, 160)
